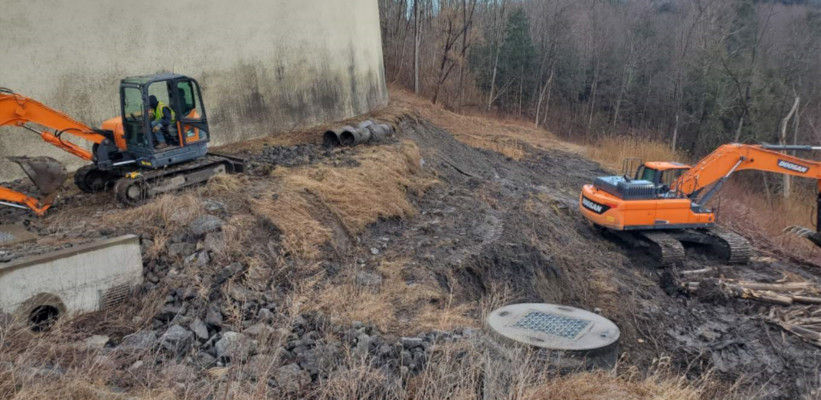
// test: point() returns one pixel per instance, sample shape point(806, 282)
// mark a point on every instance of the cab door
point(135, 119)
point(192, 123)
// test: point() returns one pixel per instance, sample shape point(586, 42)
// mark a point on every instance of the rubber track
point(150, 177)
point(667, 249)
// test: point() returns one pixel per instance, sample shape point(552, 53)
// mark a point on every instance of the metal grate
point(552, 324)
point(114, 296)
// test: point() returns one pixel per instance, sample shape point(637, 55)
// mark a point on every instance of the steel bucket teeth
point(46, 173)
point(803, 232)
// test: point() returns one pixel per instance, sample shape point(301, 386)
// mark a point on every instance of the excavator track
point(666, 249)
point(733, 247)
point(134, 190)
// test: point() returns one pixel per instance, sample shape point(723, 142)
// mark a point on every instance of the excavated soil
point(492, 228)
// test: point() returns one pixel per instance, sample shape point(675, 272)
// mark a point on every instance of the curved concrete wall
point(265, 66)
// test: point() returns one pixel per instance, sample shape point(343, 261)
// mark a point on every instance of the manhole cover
point(553, 326)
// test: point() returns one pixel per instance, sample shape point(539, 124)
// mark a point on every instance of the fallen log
point(806, 299)
point(776, 287)
point(767, 296)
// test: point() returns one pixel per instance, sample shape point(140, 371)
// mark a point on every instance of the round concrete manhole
point(553, 326)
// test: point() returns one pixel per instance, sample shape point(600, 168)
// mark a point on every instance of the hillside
point(365, 272)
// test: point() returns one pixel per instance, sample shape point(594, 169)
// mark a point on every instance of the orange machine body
point(658, 206)
point(607, 210)
point(116, 125)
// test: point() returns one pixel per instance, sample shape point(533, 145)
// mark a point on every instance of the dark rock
point(199, 329)
point(168, 313)
point(204, 360)
point(199, 259)
point(411, 342)
point(177, 339)
point(265, 315)
point(290, 378)
point(180, 249)
point(234, 345)
point(205, 224)
point(213, 317)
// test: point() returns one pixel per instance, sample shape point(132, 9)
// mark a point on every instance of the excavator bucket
point(807, 233)
point(47, 173)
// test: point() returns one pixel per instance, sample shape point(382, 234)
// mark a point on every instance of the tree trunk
point(675, 134)
point(416, 40)
point(593, 97)
point(782, 140)
point(738, 131)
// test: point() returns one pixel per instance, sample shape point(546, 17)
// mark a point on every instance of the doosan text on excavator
point(124, 154)
point(665, 203)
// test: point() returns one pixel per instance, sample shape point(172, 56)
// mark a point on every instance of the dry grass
point(394, 306)
point(310, 203)
point(749, 211)
point(510, 136)
point(610, 151)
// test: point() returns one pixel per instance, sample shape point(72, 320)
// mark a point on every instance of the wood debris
point(803, 315)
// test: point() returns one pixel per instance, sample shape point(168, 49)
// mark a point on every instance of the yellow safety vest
point(159, 111)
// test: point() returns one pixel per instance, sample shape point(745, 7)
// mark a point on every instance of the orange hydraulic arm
point(725, 160)
point(19, 110)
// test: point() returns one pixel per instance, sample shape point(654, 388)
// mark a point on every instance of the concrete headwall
point(265, 66)
point(73, 280)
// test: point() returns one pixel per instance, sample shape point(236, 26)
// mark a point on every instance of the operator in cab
point(162, 116)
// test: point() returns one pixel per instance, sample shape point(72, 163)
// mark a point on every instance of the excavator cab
point(187, 137)
point(661, 174)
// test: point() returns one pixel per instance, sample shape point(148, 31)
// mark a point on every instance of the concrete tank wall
point(265, 66)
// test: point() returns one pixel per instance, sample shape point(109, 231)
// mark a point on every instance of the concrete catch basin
point(83, 278)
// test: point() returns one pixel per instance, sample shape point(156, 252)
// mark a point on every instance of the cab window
point(133, 114)
point(647, 174)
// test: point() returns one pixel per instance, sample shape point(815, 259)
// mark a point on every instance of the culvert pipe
point(351, 136)
point(380, 132)
point(331, 138)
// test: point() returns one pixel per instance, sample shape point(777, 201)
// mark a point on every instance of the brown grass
point(395, 306)
point(507, 135)
point(610, 151)
point(351, 197)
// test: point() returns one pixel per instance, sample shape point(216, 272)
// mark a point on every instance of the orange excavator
point(124, 154)
point(664, 204)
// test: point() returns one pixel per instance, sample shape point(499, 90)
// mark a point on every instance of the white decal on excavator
point(593, 206)
point(792, 166)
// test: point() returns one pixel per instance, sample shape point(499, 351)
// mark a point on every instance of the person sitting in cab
point(162, 116)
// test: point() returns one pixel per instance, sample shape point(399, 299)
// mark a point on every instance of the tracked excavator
point(664, 204)
point(123, 153)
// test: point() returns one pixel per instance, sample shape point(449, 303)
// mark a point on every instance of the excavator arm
point(721, 163)
point(46, 173)
point(18, 110)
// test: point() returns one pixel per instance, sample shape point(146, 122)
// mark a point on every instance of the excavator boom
point(47, 174)
point(736, 157)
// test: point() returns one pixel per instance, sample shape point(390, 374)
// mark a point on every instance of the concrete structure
point(265, 65)
point(79, 279)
